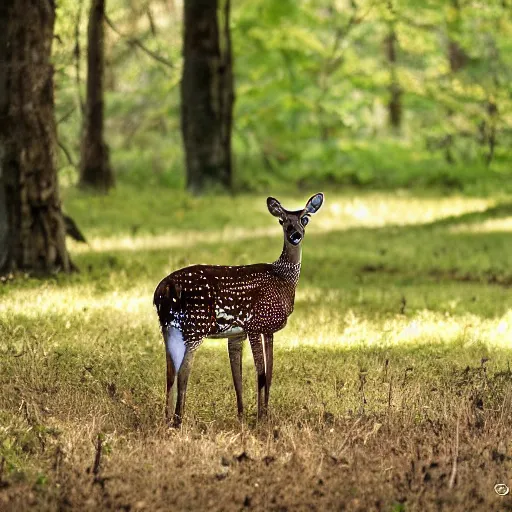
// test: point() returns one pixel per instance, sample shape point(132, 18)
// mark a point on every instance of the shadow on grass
point(499, 211)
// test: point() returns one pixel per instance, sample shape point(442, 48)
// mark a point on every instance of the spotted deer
point(233, 302)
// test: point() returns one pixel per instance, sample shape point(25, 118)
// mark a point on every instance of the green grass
point(401, 336)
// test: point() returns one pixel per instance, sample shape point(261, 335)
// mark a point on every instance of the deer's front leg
point(269, 363)
point(259, 363)
point(235, 345)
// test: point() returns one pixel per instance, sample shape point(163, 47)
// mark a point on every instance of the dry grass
point(382, 363)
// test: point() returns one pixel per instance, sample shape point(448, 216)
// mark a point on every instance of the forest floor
point(392, 384)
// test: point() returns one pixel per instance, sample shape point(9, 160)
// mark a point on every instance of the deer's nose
point(295, 237)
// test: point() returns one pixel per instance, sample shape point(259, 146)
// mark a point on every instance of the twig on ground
point(362, 382)
point(97, 457)
point(346, 439)
point(451, 482)
point(390, 391)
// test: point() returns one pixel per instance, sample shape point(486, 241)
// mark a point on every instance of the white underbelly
point(230, 331)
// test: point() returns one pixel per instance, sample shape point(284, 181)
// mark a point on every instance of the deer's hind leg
point(235, 351)
point(183, 375)
point(179, 361)
point(169, 395)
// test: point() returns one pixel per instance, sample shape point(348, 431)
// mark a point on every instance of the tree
point(207, 95)
point(95, 170)
point(395, 91)
point(32, 229)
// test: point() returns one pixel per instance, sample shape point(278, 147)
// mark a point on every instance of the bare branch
point(149, 14)
point(66, 115)
point(67, 153)
point(135, 42)
point(413, 22)
point(335, 59)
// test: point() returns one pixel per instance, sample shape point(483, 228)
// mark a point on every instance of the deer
point(233, 302)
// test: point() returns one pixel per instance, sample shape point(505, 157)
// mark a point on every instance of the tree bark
point(32, 231)
point(207, 94)
point(95, 169)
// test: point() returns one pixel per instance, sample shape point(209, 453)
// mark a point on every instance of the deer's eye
point(304, 221)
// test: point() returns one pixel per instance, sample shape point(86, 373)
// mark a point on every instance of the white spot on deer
point(175, 346)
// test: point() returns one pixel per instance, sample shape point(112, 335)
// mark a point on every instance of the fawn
point(233, 302)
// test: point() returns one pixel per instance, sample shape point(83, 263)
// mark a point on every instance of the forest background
point(392, 386)
point(366, 94)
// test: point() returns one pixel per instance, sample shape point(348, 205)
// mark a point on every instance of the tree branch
point(67, 153)
point(135, 42)
point(66, 115)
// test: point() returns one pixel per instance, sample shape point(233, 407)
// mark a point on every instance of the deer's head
point(294, 223)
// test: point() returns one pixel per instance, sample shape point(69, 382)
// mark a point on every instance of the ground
point(392, 383)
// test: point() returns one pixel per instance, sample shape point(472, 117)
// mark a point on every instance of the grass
point(392, 383)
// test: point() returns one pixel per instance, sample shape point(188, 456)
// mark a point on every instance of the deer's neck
point(288, 264)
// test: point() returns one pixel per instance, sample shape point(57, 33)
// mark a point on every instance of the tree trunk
point(457, 57)
point(395, 91)
point(492, 111)
point(32, 231)
point(207, 94)
point(95, 170)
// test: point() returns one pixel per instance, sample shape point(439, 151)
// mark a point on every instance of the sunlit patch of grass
point(487, 226)
point(328, 326)
point(340, 213)
point(331, 328)
point(377, 210)
point(170, 240)
point(71, 301)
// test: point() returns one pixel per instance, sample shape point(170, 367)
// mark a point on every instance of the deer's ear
point(314, 203)
point(274, 207)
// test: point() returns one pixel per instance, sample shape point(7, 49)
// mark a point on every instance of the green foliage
point(312, 86)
